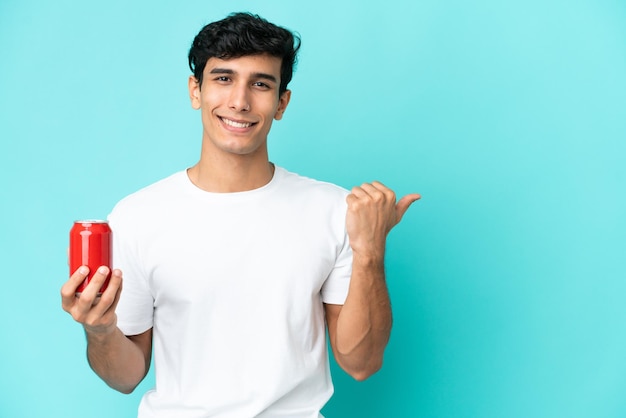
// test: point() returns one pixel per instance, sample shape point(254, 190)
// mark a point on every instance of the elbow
point(359, 364)
point(126, 389)
point(365, 371)
point(360, 376)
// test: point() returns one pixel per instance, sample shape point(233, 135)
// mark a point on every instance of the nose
point(239, 99)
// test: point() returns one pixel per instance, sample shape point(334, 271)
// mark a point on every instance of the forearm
point(359, 330)
point(364, 323)
point(118, 360)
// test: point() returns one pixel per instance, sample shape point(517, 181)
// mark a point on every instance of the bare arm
point(359, 330)
point(121, 361)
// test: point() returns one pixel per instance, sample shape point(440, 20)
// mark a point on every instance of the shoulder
point(302, 185)
point(150, 197)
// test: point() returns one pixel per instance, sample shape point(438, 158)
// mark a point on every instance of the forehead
point(246, 65)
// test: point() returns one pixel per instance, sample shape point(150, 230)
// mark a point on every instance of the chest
point(241, 254)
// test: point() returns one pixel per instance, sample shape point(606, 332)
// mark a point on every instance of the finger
point(378, 189)
point(380, 186)
point(100, 316)
point(68, 290)
point(371, 190)
point(109, 298)
point(114, 287)
point(368, 191)
point(90, 293)
point(118, 290)
point(389, 194)
point(404, 203)
point(358, 192)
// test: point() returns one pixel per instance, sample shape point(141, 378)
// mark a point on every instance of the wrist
point(99, 334)
point(368, 259)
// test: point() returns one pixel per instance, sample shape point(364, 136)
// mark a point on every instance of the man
point(235, 268)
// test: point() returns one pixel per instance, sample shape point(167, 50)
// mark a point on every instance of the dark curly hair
point(242, 34)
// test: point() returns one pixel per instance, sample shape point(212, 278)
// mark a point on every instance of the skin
point(238, 101)
point(359, 330)
point(243, 90)
point(121, 361)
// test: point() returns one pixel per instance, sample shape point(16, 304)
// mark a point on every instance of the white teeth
point(236, 124)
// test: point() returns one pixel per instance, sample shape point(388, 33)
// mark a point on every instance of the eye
point(222, 78)
point(261, 85)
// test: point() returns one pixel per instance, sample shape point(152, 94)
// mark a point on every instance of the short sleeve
point(135, 309)
point(335, 288)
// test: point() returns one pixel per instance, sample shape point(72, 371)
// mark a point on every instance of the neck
point(231, 175)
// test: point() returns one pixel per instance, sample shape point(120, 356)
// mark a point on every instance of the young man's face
point(239, 100)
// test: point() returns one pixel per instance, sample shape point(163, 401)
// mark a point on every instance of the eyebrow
point(254, 75)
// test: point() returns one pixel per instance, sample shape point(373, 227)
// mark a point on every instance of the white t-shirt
point(233, 285)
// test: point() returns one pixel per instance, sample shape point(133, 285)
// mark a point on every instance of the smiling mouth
point(236, 124)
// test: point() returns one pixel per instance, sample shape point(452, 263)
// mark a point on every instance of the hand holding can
point(90, 245)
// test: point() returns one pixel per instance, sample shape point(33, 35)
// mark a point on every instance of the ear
point(283, 101)
point(194, 92)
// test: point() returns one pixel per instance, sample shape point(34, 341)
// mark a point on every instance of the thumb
point(403, 205)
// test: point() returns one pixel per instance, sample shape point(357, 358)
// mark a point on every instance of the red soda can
point(90, 245)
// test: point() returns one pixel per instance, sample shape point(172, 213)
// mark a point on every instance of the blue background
point(507, 278)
